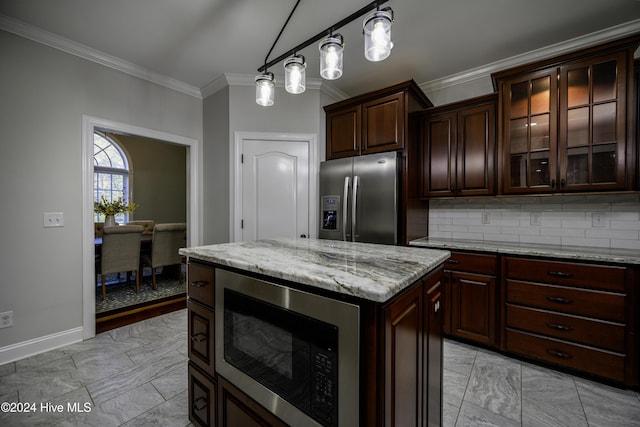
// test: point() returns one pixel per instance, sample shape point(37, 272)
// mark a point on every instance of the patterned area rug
point(121, 295)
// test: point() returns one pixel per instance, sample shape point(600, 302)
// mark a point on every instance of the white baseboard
point(24, 349)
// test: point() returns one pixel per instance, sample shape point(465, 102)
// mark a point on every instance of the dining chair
point(147, 225)
point(167, 239)
point(120, 253)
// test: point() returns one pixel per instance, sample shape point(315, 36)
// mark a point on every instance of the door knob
point(303, 236)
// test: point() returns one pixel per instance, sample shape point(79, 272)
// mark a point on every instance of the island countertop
point(369, 271)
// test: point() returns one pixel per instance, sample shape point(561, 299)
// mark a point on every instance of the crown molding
point(52, 40)
point(568, 46)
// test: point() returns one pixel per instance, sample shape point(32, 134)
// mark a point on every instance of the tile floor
point(137, 376)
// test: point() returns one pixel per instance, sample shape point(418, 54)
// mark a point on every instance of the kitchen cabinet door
point(473, 307)
point(530, 150)
point(592, 136)
point(403, 337)
point(383, 124)
point(433, 348)
point(459, 149)
point(343, 132)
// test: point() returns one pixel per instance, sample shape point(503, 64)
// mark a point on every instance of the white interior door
point(275, 189)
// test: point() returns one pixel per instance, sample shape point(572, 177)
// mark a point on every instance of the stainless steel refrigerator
point(359, 198)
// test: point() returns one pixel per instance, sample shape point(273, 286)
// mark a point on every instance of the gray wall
point(234, 109)
point(43, 95)
point(158, 178)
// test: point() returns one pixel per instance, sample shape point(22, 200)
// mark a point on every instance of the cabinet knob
point(199, 283)
point(559, 300)
point(559, 327)
point(203, 404)
point(559, 274)
point(199, 337)
point(559, 354)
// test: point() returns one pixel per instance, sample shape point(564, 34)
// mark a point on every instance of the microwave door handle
point(345, 208)
point(354, 210)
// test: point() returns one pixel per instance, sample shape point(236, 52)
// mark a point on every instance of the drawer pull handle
point(559, 300)
point(199, 283)
point(560, 274)
point(199, 337)
point(559, 354)
point(453, 261)
point(203, 405)
point(559, 327)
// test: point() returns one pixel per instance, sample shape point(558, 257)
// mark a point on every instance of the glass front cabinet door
point(592, 131)
point(530, 155)
point(565, 127)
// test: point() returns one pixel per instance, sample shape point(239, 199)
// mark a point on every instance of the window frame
point(124, 172)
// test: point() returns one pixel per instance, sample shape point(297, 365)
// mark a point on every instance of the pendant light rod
point(278, 37)
point(371, 6)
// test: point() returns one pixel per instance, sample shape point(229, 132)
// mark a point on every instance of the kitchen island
point(397, 379)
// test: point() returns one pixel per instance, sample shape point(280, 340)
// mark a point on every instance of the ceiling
point(197, 41)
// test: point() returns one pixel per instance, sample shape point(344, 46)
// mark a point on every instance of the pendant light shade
point(265, 89)
point(331, 53)
point(377, 35)
point(294, 74)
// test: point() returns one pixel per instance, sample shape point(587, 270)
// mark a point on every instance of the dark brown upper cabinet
point(373, 122)
point(459, 148)
point(567, 124)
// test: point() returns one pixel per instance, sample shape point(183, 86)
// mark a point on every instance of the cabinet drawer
point(604, 277)
point(598, 362)
point(583, 302)
point(201, 282)
point(201, 336)
point(472, 263)
point(202, 398)
point(595, 333)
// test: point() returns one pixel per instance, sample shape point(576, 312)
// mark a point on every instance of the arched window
point(110, 172)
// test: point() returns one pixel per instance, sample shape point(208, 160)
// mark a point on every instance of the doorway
point(194, 215)
point(274, 177)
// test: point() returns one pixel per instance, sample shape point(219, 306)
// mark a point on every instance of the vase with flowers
point(111, 208)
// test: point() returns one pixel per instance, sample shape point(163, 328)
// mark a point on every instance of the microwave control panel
point(330, 213)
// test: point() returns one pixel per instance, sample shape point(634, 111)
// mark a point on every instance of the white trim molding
point(194, 201)
point(28, 348)
point(69, 46)
point(568, 46)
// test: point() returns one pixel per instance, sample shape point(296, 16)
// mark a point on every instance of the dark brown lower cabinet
point(574, 315)
point(202, 397)
point(413, 356)
point(470, 296)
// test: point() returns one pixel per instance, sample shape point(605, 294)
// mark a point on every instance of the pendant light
point(377, 34)
point(377, 46)
point(331, 54)
point(265, 89)
point(294, 74)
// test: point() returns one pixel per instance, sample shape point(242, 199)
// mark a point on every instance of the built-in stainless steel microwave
point(295, 353)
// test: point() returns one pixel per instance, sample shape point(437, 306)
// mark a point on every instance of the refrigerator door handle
point(354, 210)
point(345, 208)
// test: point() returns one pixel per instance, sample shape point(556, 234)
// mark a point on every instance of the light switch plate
point(53, 219)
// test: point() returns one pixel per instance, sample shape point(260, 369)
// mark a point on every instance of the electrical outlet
point(536, 218)
point(53, 219)
point(486, 218)
point(597, 220)
point(6, 319)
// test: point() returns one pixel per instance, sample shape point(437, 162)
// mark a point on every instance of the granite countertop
point(622, 256)
point(365, 270)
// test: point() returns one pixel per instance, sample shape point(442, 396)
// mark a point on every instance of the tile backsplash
point(607, 221)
